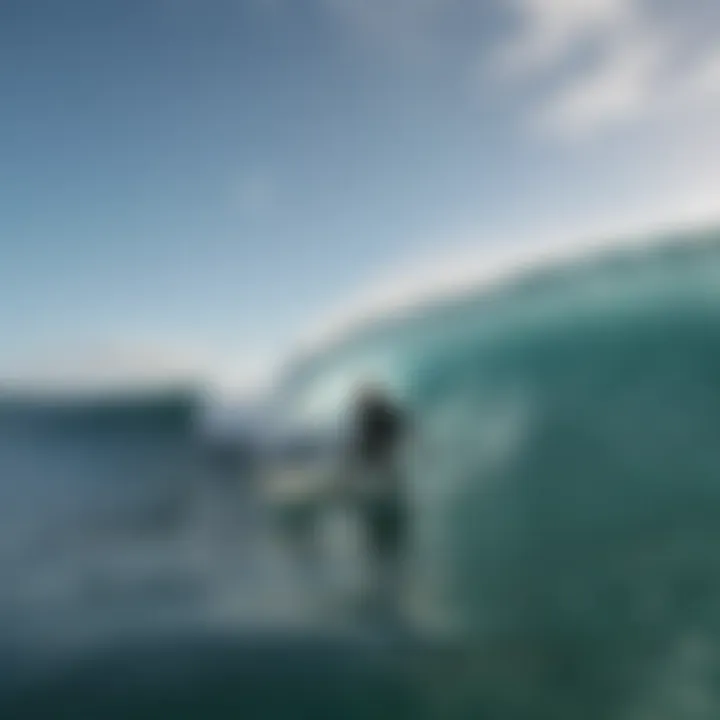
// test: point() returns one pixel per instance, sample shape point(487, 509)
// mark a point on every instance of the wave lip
point(494, 274)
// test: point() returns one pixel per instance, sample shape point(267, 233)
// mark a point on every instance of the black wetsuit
point(380, 429)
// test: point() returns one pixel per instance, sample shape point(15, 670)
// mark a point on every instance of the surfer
point(380, 428)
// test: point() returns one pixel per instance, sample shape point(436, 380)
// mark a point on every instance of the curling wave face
point(567, 478)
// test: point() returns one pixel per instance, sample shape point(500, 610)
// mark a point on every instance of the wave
point(565, 478)
point(141, 411)
point(488, 291)
point(565, 499)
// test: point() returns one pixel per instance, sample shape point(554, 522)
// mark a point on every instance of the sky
point(186, 185)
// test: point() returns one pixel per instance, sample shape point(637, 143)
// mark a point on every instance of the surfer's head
point(369, 390)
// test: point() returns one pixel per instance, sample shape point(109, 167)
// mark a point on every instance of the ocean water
point(565, 479)
point(142, 578)
point(564, 484)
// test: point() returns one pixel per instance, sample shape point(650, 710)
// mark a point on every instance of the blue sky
point(189, 184)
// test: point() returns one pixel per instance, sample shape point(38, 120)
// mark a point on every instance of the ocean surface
point(564, 482)
point(141, 576)
point(565, 477)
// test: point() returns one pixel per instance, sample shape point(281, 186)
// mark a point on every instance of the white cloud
point(242, 376)
point(600, 63)
point(622, 87)
point(638, 64)
point(550, 29)
point(104, 365)
point(705, 80)
point(135, 365)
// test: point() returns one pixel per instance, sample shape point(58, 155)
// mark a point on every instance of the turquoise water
point(566, 479)
point(565, 485)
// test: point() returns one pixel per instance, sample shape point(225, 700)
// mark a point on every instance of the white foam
point(468, 272)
